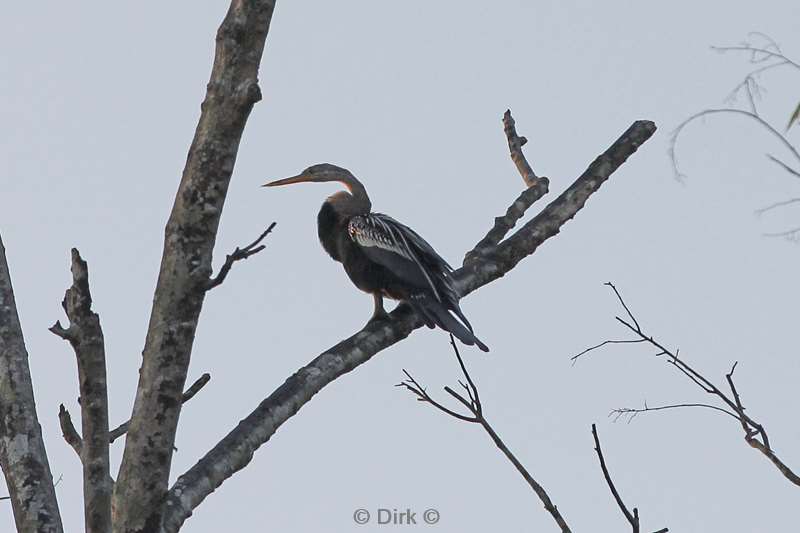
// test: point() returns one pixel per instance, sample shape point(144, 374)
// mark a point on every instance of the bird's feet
point(378, 316)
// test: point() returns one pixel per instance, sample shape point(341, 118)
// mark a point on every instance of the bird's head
point(326, 172)
point(318, 174)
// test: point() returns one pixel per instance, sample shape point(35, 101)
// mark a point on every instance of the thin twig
point(120, 430)
point(785, 167)
point(768, 54)
point(632, 412)
point(632, 518)
point(604, 343)
point(753, 430)
point(775, 205)
point(473, 404)
point(238, 255)
point(766, 57)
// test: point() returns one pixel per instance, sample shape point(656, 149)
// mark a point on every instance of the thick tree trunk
point(22, 453)
point(186, 266)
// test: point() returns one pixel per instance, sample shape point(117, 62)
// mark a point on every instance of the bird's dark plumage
point(384, 257)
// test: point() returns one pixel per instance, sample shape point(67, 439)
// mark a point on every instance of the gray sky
point(99, 103)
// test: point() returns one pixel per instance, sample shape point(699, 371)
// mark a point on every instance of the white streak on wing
point(374, 232)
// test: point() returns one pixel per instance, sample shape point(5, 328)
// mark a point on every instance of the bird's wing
point(401, 250)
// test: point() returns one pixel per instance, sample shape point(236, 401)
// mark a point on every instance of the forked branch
point(473, 405)
point(536, 188)
point(764, 57)
point(86, 337)
point(731, 403)
point(239, 254)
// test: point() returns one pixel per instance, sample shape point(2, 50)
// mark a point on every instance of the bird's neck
point(352, 203)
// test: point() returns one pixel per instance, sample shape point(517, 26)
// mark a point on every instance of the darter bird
point(384, 257)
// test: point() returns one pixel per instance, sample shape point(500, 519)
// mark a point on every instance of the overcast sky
point(99, 103)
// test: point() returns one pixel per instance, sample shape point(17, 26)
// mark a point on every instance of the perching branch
point(86, 337)
point(201, 382)
point(236, 450)
point(473, 405)
point(754, 433)
point(537, 187)
point(22, 453)
point(189, 238)
point(238, 255)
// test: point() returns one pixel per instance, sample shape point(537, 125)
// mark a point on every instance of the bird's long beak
point(300, 178)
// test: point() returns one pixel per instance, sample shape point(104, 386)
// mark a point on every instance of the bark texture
point(236, 450)
point(186, 265)
point(22, 452)
point(86, 337)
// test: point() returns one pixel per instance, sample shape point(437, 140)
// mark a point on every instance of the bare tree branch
point(120, 430)
point(783, 165)
point(86, 337)
point(754, 433)
point(632, 412)
point(238, 255)
point(68, 431)
point(731, 111)
point(473, 405)
point(537, 187)
point(767, 57)
point(22, 453)
point(776, 205)
point(189, 240)
point(236, 450)
point(515, 144)
point(632, 518)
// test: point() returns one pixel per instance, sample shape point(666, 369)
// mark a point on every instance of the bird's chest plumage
point(335, 239)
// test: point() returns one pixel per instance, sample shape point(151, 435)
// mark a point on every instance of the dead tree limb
point(632, 518)
point(183, 279)
point(473, 405)
point(236, 450)
point(22, 453)
point(201, 382)
point(239, 254)
point(515, 144)
point(86, 338)
point(754, 433)
point(68, 431)
point(536, 188)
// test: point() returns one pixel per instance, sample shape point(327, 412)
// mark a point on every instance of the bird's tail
point(434, 313)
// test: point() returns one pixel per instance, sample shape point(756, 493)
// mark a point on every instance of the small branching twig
point(473, 405)
point(120, 430)
point(238, 255)
point(764, 57)
point(754, 433)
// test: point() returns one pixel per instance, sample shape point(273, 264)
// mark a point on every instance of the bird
point(383, 257)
